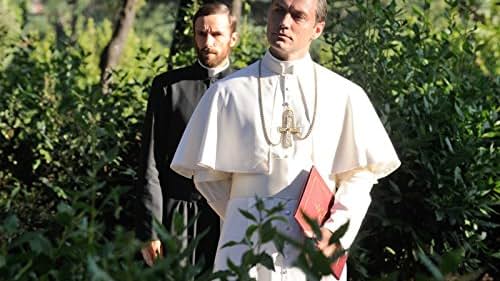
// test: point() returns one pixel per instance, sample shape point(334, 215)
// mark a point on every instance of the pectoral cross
point(288, 127)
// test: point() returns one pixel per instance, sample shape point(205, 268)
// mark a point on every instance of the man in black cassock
point(173, 98)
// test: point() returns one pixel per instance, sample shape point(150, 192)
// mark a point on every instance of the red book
point(316, 201)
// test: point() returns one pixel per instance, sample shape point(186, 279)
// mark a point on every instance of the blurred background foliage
point(69, 152)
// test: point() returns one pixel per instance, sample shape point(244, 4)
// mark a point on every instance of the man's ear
point(318, 29)
point(235, 36)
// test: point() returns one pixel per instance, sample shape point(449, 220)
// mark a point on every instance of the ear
point(235, 36)
point(318, 29)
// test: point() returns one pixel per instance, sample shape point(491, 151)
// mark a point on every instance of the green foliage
point(69, 153)
point(441, 112)
point(59, 133)
point(70, 160)
point(10, 28)
point(79, 251)
point(250, 45)
point(263, 231)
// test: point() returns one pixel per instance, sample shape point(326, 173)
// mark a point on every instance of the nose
point(286, 21)
point(209, 40)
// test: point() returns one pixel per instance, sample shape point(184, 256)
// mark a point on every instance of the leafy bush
point(70, 153)
point(441, 112)
point(70, 164)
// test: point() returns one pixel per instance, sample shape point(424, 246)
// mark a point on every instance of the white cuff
point(352, 200)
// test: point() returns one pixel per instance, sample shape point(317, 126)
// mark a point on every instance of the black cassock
point(162, 192)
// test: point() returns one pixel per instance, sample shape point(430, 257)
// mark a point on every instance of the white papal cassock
point(225, 150)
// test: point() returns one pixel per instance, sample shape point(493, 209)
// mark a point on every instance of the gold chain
point(261, 107)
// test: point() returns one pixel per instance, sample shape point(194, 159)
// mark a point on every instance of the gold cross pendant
point(288, 127)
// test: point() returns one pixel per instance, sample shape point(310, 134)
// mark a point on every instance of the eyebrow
point(291, 9)
point(280, 3)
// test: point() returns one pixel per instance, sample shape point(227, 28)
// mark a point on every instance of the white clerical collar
point(286, 67)
point(213, 71)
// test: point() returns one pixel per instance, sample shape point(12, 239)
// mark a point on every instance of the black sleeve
point(149, 193)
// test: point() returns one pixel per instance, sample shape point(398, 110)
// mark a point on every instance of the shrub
point(441, 112)
point(70, 153)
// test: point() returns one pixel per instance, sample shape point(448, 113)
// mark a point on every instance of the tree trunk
point(236, 9)
point(180, 41)
point(112, 51)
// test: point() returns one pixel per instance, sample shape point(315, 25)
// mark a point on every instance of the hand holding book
point(324, 244)
point(314, 205)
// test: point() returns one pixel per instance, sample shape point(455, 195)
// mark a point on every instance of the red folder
point(316, 201)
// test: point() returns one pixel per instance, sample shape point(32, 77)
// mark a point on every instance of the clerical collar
point(286, 67)
point(213, 71)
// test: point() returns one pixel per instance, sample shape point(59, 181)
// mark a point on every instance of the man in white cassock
point(259, 131)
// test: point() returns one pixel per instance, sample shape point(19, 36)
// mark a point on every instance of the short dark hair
point(321, 10)
point(215, 8)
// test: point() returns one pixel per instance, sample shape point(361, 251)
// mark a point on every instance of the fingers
point(156, 248)
point(329, 250)
point(147, 256)
point(151, 252)
point(324, 244)
point(325, 238)
point(161, 251)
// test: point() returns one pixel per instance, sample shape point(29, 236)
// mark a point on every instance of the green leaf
point(249, 258)
point(266, 261)
point(279, 243)
point(232, 266)
point(313, 224)
point(231, 244)
point(430, 266)
point(389, 250)
point(259, 204)
point(496, 255)
point(457, 175)
point(250, 230)
point(275, 218)
point(39, 244)
point(10, 224)
point(46, 155)
point(267, 232)
point(490, 135)
point(451, 260)
point(276, 209)
point(335, 238)
point(448, 143)
point(95, 272)
point(64, 208)
point(247, 215)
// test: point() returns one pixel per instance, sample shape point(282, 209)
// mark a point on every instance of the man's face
point(213, 39)
point(291, 27)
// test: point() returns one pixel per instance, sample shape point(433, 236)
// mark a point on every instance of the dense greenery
point(69, 153)
point(441, 111)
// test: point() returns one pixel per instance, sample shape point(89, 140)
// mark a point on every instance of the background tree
point(111, 53)
point(69, 154)
point(236, 7)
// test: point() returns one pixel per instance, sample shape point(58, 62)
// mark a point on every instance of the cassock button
point(287, 212)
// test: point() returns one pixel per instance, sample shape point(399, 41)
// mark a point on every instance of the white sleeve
point(352, 200)
point(215, 187)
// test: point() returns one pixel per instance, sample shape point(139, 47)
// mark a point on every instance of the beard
point(211, 58)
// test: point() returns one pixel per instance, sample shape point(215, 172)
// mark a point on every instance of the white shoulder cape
point(225, 133)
